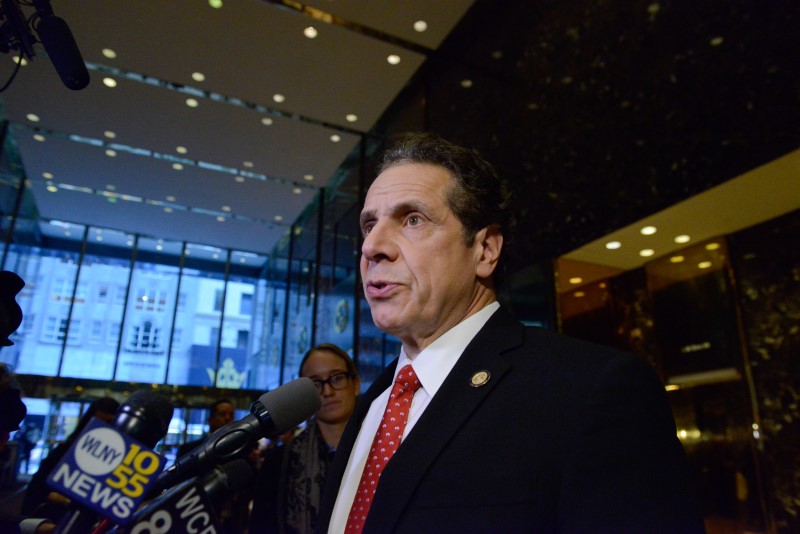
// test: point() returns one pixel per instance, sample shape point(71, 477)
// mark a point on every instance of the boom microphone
point(192, 506)
point(105, 471)
point(61, 47)
point(274, 413)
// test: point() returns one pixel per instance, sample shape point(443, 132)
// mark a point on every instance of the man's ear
point(489, 243)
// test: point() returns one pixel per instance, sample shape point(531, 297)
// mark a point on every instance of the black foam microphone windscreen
point(63, 51)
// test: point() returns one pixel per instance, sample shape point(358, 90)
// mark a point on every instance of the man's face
point(223, 414)
point(419, 277)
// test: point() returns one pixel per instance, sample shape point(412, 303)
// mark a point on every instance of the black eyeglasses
point(335, 381)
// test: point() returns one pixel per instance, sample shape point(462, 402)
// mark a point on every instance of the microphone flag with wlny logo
point(107, 471)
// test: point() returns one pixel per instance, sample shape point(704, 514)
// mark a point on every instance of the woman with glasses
point(292, 477)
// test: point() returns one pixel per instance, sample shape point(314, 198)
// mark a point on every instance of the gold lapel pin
point(481, 378)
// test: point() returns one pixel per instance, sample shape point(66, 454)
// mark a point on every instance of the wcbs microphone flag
point(107, 471)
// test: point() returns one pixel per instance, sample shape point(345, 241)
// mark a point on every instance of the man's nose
point(377, 243)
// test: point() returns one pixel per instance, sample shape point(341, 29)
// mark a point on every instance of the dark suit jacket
point(566, 436)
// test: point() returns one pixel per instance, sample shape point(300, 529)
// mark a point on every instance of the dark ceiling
point(600, 113)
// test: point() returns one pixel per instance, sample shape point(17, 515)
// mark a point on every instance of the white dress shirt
point(432, 365)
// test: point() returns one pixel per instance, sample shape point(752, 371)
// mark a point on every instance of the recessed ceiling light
point(676, 259)
point(111, 153)
point(109, 134)
point(216, 4)
point(466, 84)
point(336, 138)
point(613, 245)
point(683, 238)
point(111, 187)
point(181, 150)
point(712, 246)
point(277, 97)
point(648, 230)
point(704, 264)
point(579, 294)
point(716, 41)
point(220, 218)
point(109, 82)
point(297, 190)
point(159, 247)
point(170, 198)
point(32, 117)
point(167, 210)
point(310, 32)
point(393, 59)
point(198, 76)
point(420, 26)
point(278, 218)
point(242, 260)
point(239, 179)
point(226, 208)
point(177, 166)
point(48, 175)
point(308, 177)
point(16, 60)
point(248, 164)
point(646, 252)
point(575, 280)
point(99, 238)
point(109, 53)
point(52, 188)
point(67, 233)
point(351, 117)
point(192, 102)
point(39, 137)
point(266, 121)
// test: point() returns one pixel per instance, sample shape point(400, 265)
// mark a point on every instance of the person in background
point(221, 413)
point(509, 428)
point(290, 483)
point(39, 498)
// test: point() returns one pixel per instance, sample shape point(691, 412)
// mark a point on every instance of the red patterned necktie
point(386, 441)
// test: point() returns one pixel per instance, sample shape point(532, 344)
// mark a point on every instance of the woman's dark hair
point(330, 347)
point(478, 197)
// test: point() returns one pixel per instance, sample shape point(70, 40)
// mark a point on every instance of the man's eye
point(367, 228)
point(414, 220)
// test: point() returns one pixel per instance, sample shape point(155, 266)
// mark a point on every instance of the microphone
point(274, 413)
point(109, 468)
point(61, 48)
point(192, 506)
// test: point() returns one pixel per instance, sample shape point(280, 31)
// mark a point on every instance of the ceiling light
point(39, 137)
point(646, 252)
point(393, 59)
point(24, 61)
point(648, 230)
point(170, 198)
point(109, 134)
point(712, 246)
point(579, 294)
point(297, 190)
point(187, 251)
point(111, 153)
point(181, 150)
point(67, 233)
point(48, 175)
point(336, 138)
point(278, 218)
point(216, 4)
point(420, 26)
point(111, 187)
point(308, 177)
point(466, 84)
point(310, 32)
point(177, 166)
point(220, 218)
point(266, 121)
point(52, 188)
point(242, 260)
point(32, 117)
point(683, 238)
point(248, 164)
point(239, 179)
point(613, 245)
point(99, 238)
point(215, 256)
point(109, 82)
point(676, 259)
point(351, 117)
point(159, 247)
point(226, 208)
point(716, 41)
point(192, 102)
point(575, 280)
point(704, 264)
point(198, 76)
point(167, 210)
point(277, 97)
point(109, 53)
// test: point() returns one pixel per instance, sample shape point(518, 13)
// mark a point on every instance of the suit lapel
point(441, 421)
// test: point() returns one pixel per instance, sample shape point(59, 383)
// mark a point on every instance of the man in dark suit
point(220, 414)
point(513, 428)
